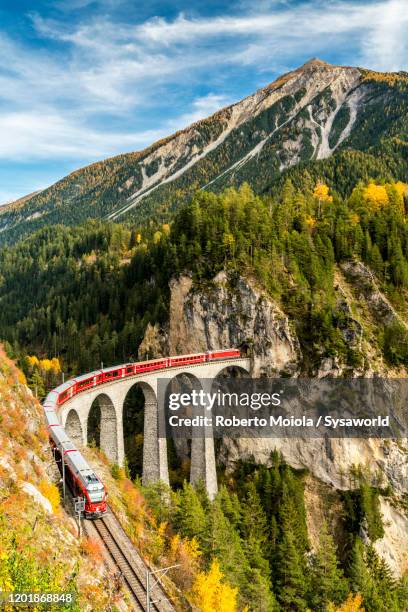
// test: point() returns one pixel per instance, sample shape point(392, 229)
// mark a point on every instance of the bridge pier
point(155, 466)
point(203, 467)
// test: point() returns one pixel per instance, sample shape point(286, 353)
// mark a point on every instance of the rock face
point(154, 343)
point(393, 547)
point(232, 312)
point(364, 279)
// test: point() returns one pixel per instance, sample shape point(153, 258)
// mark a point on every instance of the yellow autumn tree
point(397, 194)
point(50, 491)
point(56, 366)
point(310, 222)
point(32, 361)
point(210, 594)
point(401, 188)
point(375, 196)
point(322, 194)
point(184, 554)
point(353, 603)
point(49, 365)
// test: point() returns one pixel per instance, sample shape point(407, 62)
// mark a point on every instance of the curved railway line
point(85, 484)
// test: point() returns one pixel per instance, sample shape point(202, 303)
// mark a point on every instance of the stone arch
point(202, 464)
point(94, 420)
point(108, 427)
point(239, 371)
point(73, 427)
point(155, 467)
point(139, 397)
point(179, 449)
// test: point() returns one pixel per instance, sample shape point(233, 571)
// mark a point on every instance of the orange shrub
point(92, 548)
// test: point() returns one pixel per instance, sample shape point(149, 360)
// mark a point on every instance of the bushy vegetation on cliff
point(39, 549)
point(85, 295)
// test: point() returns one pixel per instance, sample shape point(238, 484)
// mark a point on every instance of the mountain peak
point(315, 61)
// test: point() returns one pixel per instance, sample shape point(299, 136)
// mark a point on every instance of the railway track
point(134, 582)
point(132, 568)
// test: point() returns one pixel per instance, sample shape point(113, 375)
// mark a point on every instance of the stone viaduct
point(111, 396)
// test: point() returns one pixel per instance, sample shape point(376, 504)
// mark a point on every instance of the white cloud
point(386, 46)
point(378, 29)
point(58, 136)
point(201, 107)
point(53, 135)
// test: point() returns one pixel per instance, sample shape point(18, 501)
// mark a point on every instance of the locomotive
point(80, 477)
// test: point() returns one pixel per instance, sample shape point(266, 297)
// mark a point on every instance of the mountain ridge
point(304, 116)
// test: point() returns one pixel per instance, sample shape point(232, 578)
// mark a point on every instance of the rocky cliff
point(227, 312)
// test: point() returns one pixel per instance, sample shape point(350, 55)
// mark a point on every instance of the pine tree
point(361, 580)
point(358, 573)
point(370, 507)
point(385, 584)
point(254, 531)
point(327, 581)
point(230, 505)
point(190, 518)
point(223, 542)
point(291, 583)
point(258, 592)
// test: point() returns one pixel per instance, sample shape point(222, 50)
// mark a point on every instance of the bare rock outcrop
point(232, 311)
point(363, 278)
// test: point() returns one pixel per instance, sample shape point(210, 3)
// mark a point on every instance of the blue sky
point(81, 80)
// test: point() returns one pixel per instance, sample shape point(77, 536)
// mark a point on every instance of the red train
point(80, 477)
point(99, 377)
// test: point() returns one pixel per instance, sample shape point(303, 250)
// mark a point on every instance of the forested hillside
point(85, 295)
point(256, 531)
point(71, 298)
